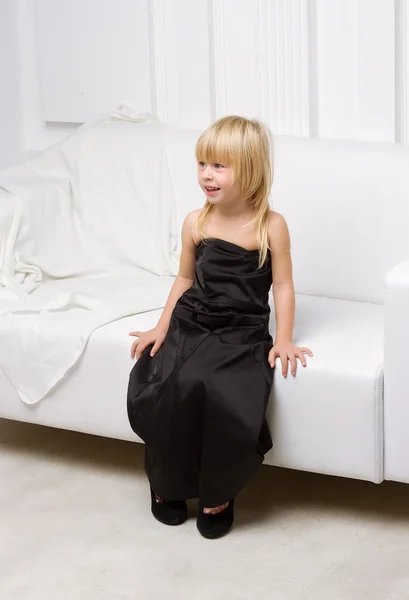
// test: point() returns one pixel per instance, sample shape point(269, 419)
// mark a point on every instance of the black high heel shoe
point(169, 512)
point(215, 526)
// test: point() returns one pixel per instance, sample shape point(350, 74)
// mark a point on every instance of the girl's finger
point(284, 362)
point(136, 342)
point(293, 362)
point(156, 347)
point(272, 357)
point(135, 333)
point(133, 348)
point(302, 358)
point(141, 347)
point(308, 351)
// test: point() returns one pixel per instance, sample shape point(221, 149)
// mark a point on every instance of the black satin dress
point(199, 404)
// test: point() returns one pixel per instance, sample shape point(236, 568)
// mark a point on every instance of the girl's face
point(216, 180)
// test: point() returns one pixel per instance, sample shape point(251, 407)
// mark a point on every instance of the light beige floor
point(75, 524)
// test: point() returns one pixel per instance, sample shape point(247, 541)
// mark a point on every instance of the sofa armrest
point(396, 371)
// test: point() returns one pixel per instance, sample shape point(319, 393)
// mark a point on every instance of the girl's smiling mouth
point(211, 190)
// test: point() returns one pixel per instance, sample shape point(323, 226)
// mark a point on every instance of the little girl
point(199, 391)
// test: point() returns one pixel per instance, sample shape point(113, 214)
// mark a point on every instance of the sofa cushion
point(329, 418)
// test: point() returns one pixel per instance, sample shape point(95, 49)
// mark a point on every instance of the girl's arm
point(182, 283)
point(185, 277)
point(283, 286)
point(284, 296)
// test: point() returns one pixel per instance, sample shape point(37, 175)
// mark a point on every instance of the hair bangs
point(214, 146)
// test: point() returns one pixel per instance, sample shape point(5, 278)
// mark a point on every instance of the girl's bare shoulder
point(190, 224)
point(276, 221)
point(278, 234)
point(192, 217)
point(275, 218)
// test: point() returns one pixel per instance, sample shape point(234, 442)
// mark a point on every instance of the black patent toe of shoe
point(217, 525)
point(169, 512)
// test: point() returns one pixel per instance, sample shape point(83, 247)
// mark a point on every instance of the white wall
point(326, 68)
point(10, 109)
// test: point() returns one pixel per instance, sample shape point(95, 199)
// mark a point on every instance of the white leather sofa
point(347, 414)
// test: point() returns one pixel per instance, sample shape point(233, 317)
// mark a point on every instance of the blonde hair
point(245, 145)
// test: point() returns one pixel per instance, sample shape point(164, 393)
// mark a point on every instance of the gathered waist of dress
point(222, 318)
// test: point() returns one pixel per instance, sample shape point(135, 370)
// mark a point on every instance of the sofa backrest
point(346, 205)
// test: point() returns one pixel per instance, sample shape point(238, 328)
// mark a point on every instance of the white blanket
point(87, 236)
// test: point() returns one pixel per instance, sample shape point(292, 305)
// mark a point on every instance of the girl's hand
point(287, 351)
point(155, 336)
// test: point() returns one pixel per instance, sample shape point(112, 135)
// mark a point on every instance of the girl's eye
point(201, 163)
point(218, 166)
